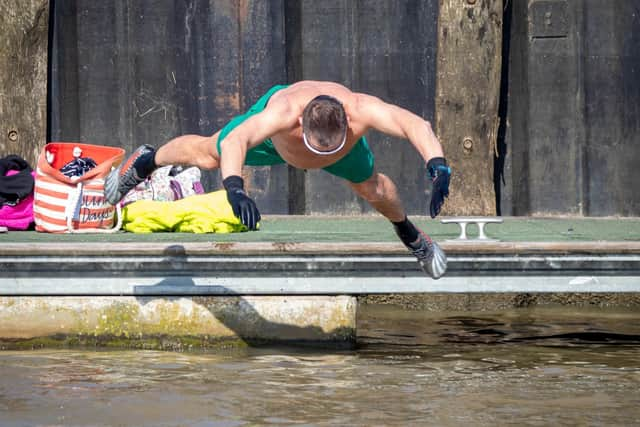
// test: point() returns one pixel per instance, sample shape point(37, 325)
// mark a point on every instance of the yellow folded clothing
point(203, 213)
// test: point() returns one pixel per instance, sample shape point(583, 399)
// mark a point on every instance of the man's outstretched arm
point(399, 122)
point(250, 133)
point(234, 149)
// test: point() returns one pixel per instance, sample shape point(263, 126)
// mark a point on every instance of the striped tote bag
point(76, 204)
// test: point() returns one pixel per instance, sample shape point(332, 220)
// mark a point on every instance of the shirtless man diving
point(309, 125)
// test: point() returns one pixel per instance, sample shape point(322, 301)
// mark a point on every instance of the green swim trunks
point(356, 166)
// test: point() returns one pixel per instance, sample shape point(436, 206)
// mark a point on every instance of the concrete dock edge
point(177, 323)
point(200, 295)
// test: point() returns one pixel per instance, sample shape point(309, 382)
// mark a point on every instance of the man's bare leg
point(382, 194)
point(190, 150)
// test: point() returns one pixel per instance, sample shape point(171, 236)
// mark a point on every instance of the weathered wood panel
point(550, 147)
point(468, 85)
point(134, 72)
point(611, 64)
point(23, 77)
point(574, 101)
point(128, 73)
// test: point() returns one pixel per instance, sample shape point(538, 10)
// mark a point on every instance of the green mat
point(372, 229)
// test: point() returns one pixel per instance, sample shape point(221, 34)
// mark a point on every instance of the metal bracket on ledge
point(464, 221)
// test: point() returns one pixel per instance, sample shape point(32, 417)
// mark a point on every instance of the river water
point(520, 367)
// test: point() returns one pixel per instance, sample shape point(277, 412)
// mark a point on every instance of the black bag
point(18, 186)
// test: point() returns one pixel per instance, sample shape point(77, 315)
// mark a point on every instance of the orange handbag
point(77, 204)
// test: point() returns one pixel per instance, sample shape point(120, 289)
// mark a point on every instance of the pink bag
point(19, 216)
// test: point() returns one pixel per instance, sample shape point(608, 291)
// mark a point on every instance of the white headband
point(323, 153)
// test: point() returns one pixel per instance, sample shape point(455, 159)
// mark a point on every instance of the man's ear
point(300, 120)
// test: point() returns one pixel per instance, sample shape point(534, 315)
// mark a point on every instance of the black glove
point(439, 173)
point(243, 207)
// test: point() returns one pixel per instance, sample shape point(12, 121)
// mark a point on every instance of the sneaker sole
point(437, 266)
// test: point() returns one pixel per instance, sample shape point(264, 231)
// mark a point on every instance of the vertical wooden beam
point(467, 96)
point(23, 77)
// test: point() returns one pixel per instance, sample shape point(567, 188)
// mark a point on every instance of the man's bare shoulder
point(281, 108)
point(364, 106)
point(318, 85)
point(300, 93)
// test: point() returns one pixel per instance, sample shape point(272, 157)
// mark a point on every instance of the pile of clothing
point(173, 199)
point(17, 180)
point(16, 193)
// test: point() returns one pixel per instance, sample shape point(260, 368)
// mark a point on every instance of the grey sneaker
point(121, 180)
point(430, 256)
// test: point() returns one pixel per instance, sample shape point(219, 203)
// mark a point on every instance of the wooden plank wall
point(573, 140)
point(127, 73)
point(23, 77)
point(132, 72)
point(144, 71)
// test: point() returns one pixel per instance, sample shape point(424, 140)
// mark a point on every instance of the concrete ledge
point(312, 269)
point(176, 323)
point(179, 291)
point(68, 249)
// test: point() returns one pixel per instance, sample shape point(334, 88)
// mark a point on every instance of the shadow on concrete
point(239, 314)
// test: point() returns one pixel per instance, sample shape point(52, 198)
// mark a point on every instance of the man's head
point(324, 125)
